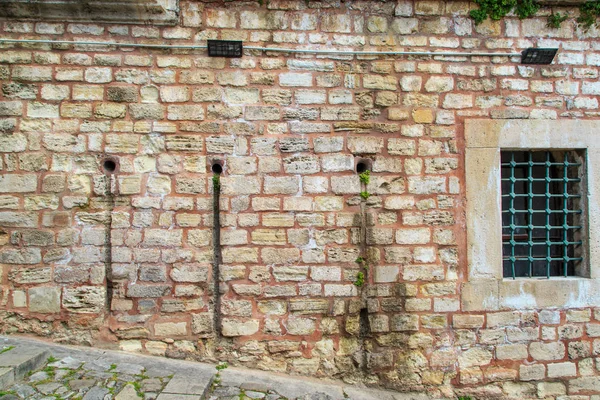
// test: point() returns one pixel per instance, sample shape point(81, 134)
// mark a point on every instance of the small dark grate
point(225, 48)
point(538, 56)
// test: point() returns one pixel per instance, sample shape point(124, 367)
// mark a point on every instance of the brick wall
point(129, 258)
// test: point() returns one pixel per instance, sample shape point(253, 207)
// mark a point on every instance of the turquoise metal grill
point(541, 192)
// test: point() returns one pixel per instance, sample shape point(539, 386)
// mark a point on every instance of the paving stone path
point(76, 373)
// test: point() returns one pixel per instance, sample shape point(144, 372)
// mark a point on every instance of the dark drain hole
point(217, 168)
point(109, 166)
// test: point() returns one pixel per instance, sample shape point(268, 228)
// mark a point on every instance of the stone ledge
point(16, 363)
point(523, 294)
point(158, 12)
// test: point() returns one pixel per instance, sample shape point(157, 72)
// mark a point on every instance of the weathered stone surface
point(233, 327)
point(44, 299)
point(84, 299)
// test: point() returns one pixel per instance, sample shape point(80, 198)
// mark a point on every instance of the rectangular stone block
point(18, 183)
point(163, 237)
point(44, 300)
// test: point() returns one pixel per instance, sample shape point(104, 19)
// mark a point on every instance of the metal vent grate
point(541, 209)
point(225, 48)
point(538, 56)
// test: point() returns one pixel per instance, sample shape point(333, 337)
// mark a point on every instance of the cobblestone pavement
point(77, 373)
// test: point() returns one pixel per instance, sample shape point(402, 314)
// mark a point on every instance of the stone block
point(301, 164)
point(21, 183)
point(84, 299)
point(141, 290)
point(11, 108)
point(32, 74)
point(185, 112)
point(20, 256)
point(562, 370)
point(325, 273)
point(339, 290)
point(170, 329)
point(45, 300)
point(163, 237)
point(300, 326)
point(202, 324)
point(295, 79)
point(122, 94)
point(281, 185)
point(189, 273)
point(547, 351)
point(232, 327)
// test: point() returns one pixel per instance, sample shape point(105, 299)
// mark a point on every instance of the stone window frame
point(486, 288)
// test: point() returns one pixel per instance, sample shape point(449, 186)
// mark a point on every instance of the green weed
point(360, 279)
point(221, 366)
point(554, 20)
point(365, 177)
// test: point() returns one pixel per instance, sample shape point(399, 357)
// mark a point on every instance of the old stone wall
point(130, 257)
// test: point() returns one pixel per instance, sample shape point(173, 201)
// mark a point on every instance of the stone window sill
point(518, 294)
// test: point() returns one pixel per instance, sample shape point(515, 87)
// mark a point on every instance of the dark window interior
point(541, 199)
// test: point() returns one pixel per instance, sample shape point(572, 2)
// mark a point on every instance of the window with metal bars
point(541, 213)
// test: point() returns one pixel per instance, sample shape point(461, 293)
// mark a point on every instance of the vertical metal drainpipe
point(364, 328)
point(110, 191)
point(216, 237)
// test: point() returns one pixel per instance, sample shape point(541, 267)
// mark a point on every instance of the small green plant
point(360, 279)
point(50, 371)
point(365, 195)
point(362, 262)
point(216, 182)
point(112, 367)
point(588, 12)
point(217, 379)
point(526, 8)
point(5, 349)
point(221, 366)
point(465, 398)
point(138, 388)
point(51, 359)
point(365, 177)
point(497, 9)
point(554, 20)
point(71, 373)
point(6, 393)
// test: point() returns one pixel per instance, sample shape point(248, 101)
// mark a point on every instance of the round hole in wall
point(217, 168)
point(109, 165)
point(362, 166)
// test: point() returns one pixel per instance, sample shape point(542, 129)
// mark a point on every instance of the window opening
point(541, 213)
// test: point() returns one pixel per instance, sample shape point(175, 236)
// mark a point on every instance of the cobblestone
point(76, 373)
